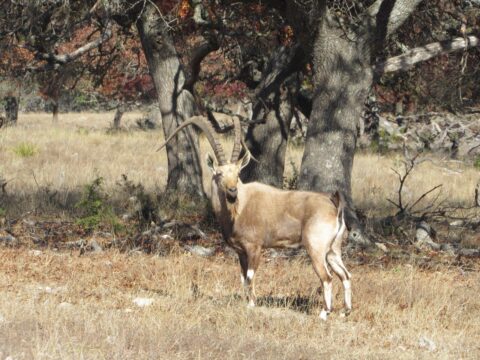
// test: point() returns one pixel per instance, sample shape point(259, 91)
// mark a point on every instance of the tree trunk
point(176, 104)
point(11, 110)
point(118, 117)
point(268, 142)
point(55, 110)
point(342, 79)
point(267, 137)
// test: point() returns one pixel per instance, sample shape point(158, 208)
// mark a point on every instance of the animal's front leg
point(249, 261)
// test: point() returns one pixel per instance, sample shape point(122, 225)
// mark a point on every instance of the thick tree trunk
point(343, 76)
point(176, 104)
point(342, 79)
point(11, 110)
point(267, 137)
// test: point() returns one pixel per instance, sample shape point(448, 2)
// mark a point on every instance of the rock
point(95, 247)
point(448, 248)
point(389, 127)
point(29, 222)
point(65, 306)
point(424, 236)
point(9, 240)
point(468, 147)
point(199, 250)
point(35, 252)
point(457, 223)
point(427, 343)
point(358, 237)
point(469, 252)
point(2, 319)
point(143, 302)
point(381, 247)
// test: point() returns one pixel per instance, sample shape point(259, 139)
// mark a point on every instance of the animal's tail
point(339, 201)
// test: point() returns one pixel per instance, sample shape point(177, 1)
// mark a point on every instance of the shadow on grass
point(304, 304)
point(298, 303)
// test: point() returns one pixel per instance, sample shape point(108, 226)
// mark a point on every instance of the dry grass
point(58, 305)
point(71, 154)
point(61, 306)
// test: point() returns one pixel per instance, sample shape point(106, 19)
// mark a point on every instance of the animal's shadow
point(299, 303)
point(303, 304)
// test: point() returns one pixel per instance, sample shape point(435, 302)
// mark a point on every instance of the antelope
point(254, 216)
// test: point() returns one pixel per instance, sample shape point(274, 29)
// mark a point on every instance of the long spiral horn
point(237, 145)
point(207, 128)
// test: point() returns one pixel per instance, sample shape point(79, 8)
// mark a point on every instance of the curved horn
point(207, 128)
point(237, 145)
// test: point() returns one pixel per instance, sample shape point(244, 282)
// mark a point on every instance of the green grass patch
point(476, 163)
point(25, 150)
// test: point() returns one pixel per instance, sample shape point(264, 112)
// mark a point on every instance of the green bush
point(94, 209)
point(25, 150)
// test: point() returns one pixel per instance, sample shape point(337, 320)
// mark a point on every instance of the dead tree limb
point(407, 60)
point(66, 58)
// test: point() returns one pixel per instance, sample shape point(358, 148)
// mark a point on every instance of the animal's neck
point(225, 211)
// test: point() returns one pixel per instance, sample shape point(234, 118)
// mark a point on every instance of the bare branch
point(198, 55)
point(396, 11)
point(66, 58)
point(423, 196)
point(410, 58)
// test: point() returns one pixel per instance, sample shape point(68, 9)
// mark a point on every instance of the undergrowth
point(95, 211)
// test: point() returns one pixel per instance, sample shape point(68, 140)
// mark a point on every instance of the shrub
point(25, 150)
point(95, 211)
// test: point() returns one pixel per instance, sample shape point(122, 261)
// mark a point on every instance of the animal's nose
point(232, 190)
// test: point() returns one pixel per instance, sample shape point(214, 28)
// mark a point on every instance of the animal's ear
point(244, 160)
point(211, 163)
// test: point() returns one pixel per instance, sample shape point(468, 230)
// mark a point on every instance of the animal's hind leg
point(318, 253)
point(334, 258)
point(337, 266)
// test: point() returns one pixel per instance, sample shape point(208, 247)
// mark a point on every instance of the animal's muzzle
point(232, 194)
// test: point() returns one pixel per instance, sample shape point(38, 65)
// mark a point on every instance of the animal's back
point(278, 216)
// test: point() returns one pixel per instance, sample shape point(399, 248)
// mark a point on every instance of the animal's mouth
point(231, 196)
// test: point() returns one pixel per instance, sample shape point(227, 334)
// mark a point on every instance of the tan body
point(266, 217)
point(255, 216)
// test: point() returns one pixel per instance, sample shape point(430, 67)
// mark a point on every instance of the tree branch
point(66, 58)
point(396, 11)
point(411, 57)
point(198, 55)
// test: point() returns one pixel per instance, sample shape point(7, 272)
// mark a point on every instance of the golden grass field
point(59, 305)
point(78, 149)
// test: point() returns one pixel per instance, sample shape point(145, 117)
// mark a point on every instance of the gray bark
point(413, 56)
point(268, 142)
point(267, 136)
point(176, 104)
point(343, 77)
point(11, 110)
